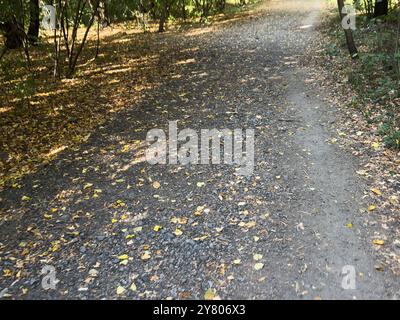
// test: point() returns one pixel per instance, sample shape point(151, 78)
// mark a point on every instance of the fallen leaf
point(133, 287)
point(257, 257)
point(120, 290)
point(93, 273)
point(87, 186)
point(123, 257)
point(123, 262)
point(258, 266)
point(210, 294)
point(146, 255)
point(178, 232)
point(349, 225)
point(156, 185)
point(376, 191)
point(375, 145)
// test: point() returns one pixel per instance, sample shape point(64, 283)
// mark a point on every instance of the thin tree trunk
point(163, 17)
point(3, 52)
point(106, 15)
point(348, 33)
point(34, 23)
point(74, 59)
point(98, 39)
point(381, 8)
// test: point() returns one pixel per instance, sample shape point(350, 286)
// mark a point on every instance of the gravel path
point(107, 221)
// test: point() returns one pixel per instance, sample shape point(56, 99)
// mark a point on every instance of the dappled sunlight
point(5, 109)
point(191, 60)
point(50, 93)
point(55, 151)
point(120, 70)
point(68, 106)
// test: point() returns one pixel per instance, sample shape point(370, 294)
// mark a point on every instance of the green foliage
point(376, 75)
point(332, 49)
point(391, 136)
point(392, 140)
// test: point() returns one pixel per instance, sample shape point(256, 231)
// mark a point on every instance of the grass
point(376, 75)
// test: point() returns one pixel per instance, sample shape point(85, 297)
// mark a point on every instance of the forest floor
point(113, 226)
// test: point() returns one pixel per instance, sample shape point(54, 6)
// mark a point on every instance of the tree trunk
point(73, 59)
point(183, 9)
point(221, 5)
point(13, 27)
point(13, 34)
point(34, 24)
point(106, 21)
point(163, 17)
point(381, 8)
point(348, 33)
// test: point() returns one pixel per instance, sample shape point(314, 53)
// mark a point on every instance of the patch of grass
point(376, 75)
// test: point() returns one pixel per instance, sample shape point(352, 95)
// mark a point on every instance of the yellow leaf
point(7, 273)
point(124, 262)
point(26, 198)
point(133, 287)
point(174, 220)
point(349, 225)
point(157, 228)
point(210, 294)
point(200, 184)
point(156, 185)
point(125, 148)
point(375, 145)
point(120, 290)
point(250, 224)
point(123, 257)
point(376, 191)
point(257, 257)
point(178, 232)
point(201, 238)
point(145, 255)
point(182, 220)
point(258, 266)
point(371, 207)
point(87, 186)
point(378, 242)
